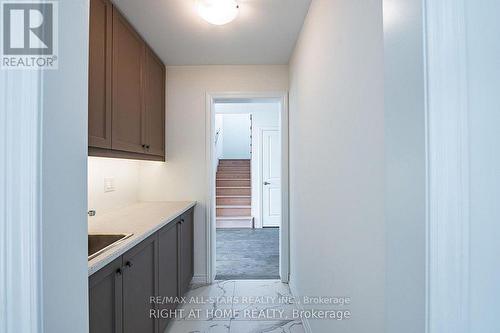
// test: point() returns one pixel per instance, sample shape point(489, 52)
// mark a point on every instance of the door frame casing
point(448, 158)
point(21, 255)
point(210, 223)
point(261, 171)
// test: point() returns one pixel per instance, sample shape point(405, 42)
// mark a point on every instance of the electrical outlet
point(109, 184)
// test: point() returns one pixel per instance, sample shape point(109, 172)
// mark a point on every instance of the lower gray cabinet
point(168, 266)
point(161, 265)
point(140, 278)
point(105, 299)
point(186, 255)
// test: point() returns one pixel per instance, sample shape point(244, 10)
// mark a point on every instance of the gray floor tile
point(248, 253)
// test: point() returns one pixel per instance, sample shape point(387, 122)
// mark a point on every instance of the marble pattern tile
point(284, 326)
point(204, 297)
point(269, 297)
point(198, 326)
point(261, 288)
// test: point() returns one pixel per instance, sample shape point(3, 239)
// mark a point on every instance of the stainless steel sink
point(99, 243)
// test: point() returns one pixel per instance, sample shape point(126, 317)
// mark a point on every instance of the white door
point(271, 178)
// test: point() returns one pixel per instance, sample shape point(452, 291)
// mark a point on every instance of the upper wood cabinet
point(101, 14)
point(126, 89)
point(155, 104)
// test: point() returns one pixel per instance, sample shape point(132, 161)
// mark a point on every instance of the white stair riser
point(234, 223)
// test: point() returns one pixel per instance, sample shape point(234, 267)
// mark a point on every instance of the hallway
point(248, 253)
point(233, 302)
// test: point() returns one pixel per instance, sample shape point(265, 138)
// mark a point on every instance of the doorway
point(270, 182)
point(247, 151)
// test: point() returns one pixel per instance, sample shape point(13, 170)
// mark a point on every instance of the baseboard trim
point(247, 277)
point(305, 321)
point(199, 279)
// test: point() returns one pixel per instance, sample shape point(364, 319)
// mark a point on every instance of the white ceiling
point(264, 32)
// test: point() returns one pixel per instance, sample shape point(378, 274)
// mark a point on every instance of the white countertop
point(141, 219)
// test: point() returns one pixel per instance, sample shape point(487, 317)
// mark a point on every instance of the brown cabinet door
point(168, 266)
point(139, 284)
point(105, 299)
point(186, 253)
point(155, 104)
point(128, 123)
point(100, 43)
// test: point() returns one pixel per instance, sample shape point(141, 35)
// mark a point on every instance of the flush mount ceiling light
point(218, 12)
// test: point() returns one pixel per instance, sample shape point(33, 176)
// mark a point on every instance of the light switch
point(109, 184)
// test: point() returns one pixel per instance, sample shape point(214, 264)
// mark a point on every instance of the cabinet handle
point(181, 221)
point(143, 146)
point(119, 271)
point(147, 146)
point(129, 264)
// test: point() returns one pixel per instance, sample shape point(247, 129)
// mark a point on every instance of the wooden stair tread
point(234, 217)
point(233, 197)
point(233, 187)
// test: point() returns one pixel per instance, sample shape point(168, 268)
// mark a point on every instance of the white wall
point(183, 176)
point(337, 161)
point(405, 166)
point(125, 174)
point(236, 133)
point(264, 115)
point(483, 47)
point(64, 174)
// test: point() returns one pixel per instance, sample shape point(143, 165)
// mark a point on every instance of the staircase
point(234, 194)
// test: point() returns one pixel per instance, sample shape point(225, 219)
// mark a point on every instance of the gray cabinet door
point(100, 35)
point(155, 104)
point(139, 284)
point(128, 119)
point(119, 293)
point(186, 255)
point(168, 266)
point(105, 299)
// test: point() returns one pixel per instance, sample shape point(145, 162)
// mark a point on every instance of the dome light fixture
point(218, 12)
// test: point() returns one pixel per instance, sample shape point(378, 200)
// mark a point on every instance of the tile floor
point(238, 306)
point(247, 254)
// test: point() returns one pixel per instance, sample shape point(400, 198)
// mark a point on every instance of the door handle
point(267, 183)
